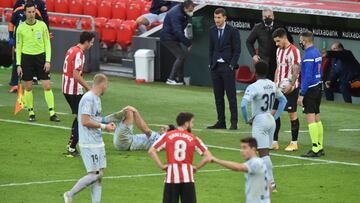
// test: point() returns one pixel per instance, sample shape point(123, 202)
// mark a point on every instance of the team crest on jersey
point(38, 35)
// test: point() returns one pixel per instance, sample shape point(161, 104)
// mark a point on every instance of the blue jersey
point(311, 69)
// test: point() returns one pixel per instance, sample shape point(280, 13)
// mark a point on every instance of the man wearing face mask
point(267, 48)
point(173, 35)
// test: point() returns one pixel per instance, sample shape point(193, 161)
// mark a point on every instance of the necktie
point(220, 35)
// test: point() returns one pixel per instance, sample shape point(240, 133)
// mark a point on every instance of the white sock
point(275, 142)
point(83, 183)
point(71, 149)
point(96, 191)
point(293, 142)
point(269, 167)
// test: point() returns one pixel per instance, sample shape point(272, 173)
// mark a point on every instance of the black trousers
point(223, 79)
point(173, 192)
point(178, 67)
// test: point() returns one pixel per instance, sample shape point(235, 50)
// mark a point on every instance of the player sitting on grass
point(124, 137)
point(258, 186)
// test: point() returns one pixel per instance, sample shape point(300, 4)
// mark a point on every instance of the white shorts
point(94, 158)
point(263, 129)
point(152, 18)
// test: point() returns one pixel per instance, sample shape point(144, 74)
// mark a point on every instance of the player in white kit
point(124, 137)
point(262, 95)
point(258, 186)
point(91, 143)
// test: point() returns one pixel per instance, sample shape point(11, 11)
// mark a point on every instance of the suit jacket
point(228, 49)
point(350, 67)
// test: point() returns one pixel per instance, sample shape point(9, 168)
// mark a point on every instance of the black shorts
point(291, 105)
point(33, 65)
point(312, 100)
point(73, 101)
point(184, 191)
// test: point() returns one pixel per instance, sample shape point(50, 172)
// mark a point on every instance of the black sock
point(295, 125)
point(74, 134)
point(277, 129)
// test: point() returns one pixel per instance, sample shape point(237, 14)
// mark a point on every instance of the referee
point(310, 95)
point(33, 57)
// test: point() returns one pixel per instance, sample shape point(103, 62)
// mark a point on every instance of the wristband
point(102, 126)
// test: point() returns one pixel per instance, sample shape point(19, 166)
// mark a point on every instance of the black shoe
point(217, 125)
point(311, 154)
point(72, 154)
point(32, 118)
point(233, 127)
point(321, 152)
point(54, 118)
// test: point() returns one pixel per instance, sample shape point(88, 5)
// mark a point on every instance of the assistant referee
point(33, 57)
point(310, 95)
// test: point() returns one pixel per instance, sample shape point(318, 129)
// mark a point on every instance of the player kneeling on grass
point(258, 186)
point(262, 95)
point(124, 137)
point(180, 145)
point(91, 143)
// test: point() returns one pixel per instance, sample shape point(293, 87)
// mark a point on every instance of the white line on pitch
point(143, 175)
point(213, 146)
point(349, 130)
point(62, 113)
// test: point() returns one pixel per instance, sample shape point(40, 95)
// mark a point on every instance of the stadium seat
point(119, 10)
point(76, 7)
point(55, 21)
point(110, 31)
point(6, 4)
point(86, 24)
point(126, 32)
point(90, 8)
point(68, 22)
point(104, 9)
point(146, 8)
point(134, 10)
point(50, 5)
point(62, 6)
point(8, 16)
point(244, 75)
point(99, 25)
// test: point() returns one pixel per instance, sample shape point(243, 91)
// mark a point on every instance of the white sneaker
point(67, 199)
point(173, 82)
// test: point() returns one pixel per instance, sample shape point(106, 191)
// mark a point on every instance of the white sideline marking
point(143, 175)
point(293, 157)
point(349, 130)
point(62, 113)
point(213, 146)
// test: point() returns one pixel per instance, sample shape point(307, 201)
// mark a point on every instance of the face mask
point(268, 21)
point(189, 13)
point(302, 46)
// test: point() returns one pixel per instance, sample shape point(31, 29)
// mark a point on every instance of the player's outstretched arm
point(86, 121)
point(231, 165)
point(206, 159)
point(153, 154)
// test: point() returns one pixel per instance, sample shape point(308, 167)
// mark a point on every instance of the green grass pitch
point(33, 168)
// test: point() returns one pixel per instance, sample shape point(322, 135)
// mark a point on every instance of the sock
point(293, 142)
point(96, 191)
point(83, 183)
point(269, 167)
point(74, 139)
point(49, 98)
point(142, 28)
point(118, 116)
point(29, 99)
point(314, 134)
point(277, 129)
point(295, 125)
point(321, 135)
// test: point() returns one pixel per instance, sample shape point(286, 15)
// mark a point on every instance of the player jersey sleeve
point(46, 43)
point(86, 107)
point(78, 61)
point(200, 147)
point(252, 166)
point(278, 93)
point(160, 144)
point(295, 57)
point(250, 93)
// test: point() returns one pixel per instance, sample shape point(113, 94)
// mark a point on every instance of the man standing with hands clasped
point(33, 55)
point(224, 52)
point(310, 94)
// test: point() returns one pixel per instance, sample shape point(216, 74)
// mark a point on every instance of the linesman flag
point(20, 100)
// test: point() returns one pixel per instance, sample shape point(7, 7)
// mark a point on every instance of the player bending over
point(257, 184)
point(262, 95)
point(124, 137)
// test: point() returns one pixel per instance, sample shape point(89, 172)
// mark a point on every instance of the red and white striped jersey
point(180, 147)
point(74, 60)
point(285, 59)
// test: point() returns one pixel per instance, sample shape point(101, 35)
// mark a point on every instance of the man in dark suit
point(262, 34)
point(224, 53)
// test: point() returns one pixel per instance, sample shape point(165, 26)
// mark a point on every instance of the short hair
point(29, 4)
point(267, 10)
point(188, 3)
point(221, 11)
point(307, 34)
point(261, 68)
point(86, 37)
point(184, 117)
point(171, 127)
point(339, 45)
point(250, 141)
point(99, 78)
point(279, 32)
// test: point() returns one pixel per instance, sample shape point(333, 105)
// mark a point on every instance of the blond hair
point(99, 79)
